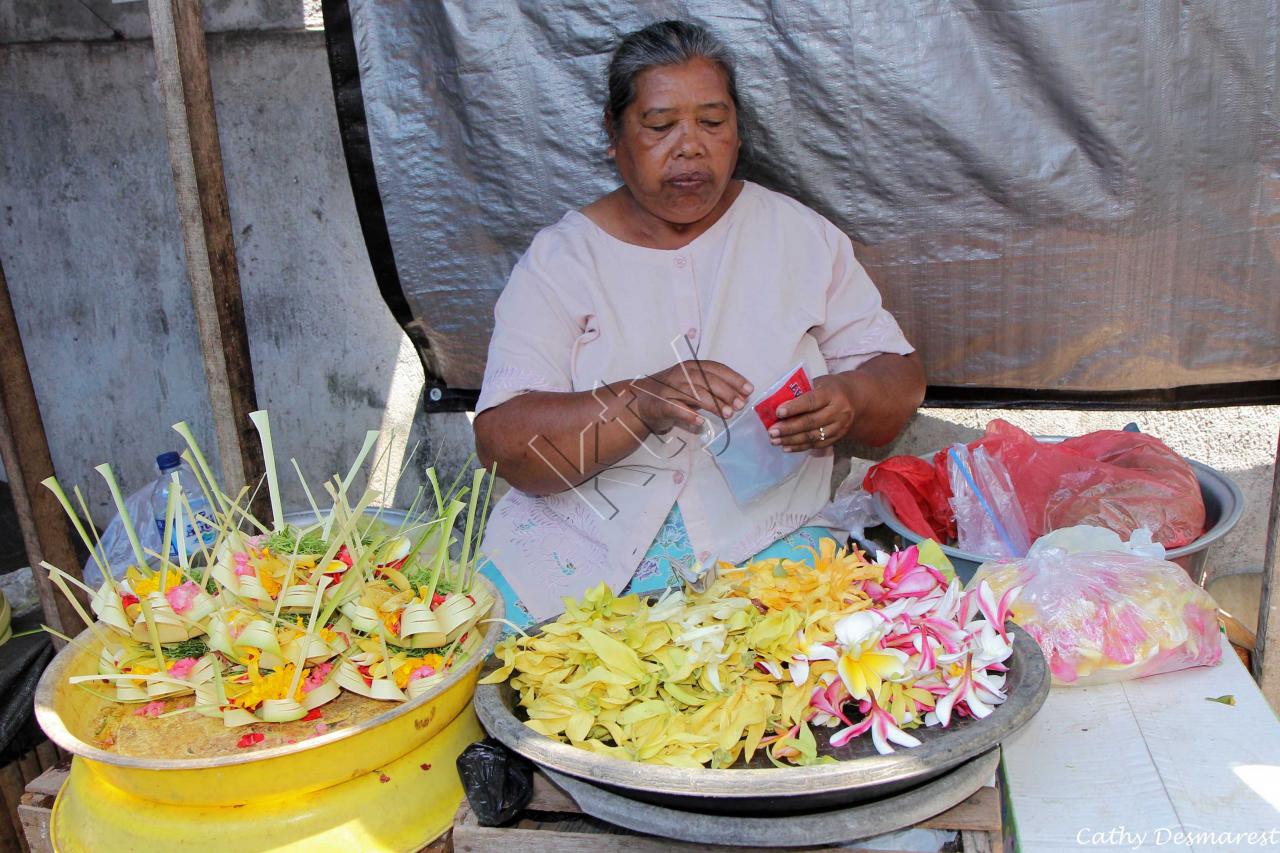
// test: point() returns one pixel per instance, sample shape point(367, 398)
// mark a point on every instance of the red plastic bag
point(1109, 478)
point(1118, 480)
point(918, 494)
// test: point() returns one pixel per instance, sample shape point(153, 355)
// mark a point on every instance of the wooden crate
point(37, 806)
point(15, 778)
point(553, 821)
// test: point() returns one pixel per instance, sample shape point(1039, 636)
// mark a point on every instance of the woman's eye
point(710, 123)
point(661, 128)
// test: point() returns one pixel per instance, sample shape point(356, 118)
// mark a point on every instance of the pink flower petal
point(151, 710)
point(319, 673)
point(180, 597)
point(182, 668)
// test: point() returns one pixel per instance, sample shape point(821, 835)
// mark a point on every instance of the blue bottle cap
point(168, 461)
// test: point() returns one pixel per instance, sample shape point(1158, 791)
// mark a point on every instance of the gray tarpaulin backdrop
point(1051, 195)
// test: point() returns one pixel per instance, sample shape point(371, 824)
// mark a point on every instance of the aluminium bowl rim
point(864, 772)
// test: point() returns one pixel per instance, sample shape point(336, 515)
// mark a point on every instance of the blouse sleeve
point(532, 343)
point(856, 328)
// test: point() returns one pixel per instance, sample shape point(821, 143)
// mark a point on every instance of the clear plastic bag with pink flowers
point(1108, 616)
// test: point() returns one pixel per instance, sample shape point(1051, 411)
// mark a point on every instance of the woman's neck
point(620, 215)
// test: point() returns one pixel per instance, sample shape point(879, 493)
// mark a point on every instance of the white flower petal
point(976, 706)
point(821, 651)
point(900, 737)
point(859, 628)
point(799, 671)
point(942, 710)
point(877, 738)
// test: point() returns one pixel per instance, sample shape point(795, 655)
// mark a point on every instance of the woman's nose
point(691, 143)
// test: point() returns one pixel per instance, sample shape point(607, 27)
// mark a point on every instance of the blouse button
point(691, 334)
point(678, 477)
point(681, 262)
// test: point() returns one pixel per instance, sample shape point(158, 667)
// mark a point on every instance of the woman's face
point(678, 143)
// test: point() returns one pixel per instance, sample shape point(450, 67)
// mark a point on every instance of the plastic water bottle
point(194, 530)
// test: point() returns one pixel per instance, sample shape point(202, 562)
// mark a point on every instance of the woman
point(656, 313)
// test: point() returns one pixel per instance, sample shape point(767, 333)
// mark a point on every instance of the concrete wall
point(93, 255)
point(90, 245)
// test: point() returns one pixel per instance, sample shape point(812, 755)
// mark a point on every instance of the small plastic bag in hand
point(1108, 616)
point(743, 451)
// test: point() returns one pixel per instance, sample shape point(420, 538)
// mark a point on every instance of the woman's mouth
point(689, 180)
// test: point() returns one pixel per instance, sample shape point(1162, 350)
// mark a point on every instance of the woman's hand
point(870, 404)
point(817, 419)
point(673, 397)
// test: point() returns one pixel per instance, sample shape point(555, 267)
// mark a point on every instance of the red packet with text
point(789, 387)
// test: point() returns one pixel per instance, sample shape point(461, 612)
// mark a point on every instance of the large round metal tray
point(838, 826)
point(859, 775)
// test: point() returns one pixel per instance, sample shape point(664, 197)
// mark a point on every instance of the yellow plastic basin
point(386, 784)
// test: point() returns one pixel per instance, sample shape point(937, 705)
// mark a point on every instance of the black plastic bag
point(498, 783)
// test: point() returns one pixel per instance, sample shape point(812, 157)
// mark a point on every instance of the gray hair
point(663, 43)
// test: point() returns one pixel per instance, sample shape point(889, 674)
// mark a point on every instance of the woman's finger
point(814, 429)
point(810, 401)
point(739, 383)
point(718, 396)
point(682, 413)
point(699, 385)
point(800, 423)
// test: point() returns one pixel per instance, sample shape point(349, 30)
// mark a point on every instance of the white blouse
point(770, 285)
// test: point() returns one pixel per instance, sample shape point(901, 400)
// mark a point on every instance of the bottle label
point(195, 531)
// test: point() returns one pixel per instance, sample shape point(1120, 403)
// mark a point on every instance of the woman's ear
point(611, 134)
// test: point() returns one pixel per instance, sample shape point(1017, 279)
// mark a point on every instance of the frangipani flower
point(995, 611)
point(864, 668)
point(884, 730)
point(829, 702)
point(975, 689)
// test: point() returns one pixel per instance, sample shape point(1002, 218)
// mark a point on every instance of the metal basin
point(859, 775)
point(836, 827)
point(1223, 506)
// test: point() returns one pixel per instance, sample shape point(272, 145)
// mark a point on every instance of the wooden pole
point(195, 156)
point(1266, 666)
point(46, 532)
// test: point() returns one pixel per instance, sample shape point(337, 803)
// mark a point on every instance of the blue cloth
point(668, 554)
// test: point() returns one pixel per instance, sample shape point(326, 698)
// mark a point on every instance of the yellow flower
point(268, 581)
point(143, 585)
point(391, 621)
point(274, 685)
point(899, 701)
point(863, 669)
point(138, 669)
point(408, 667)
